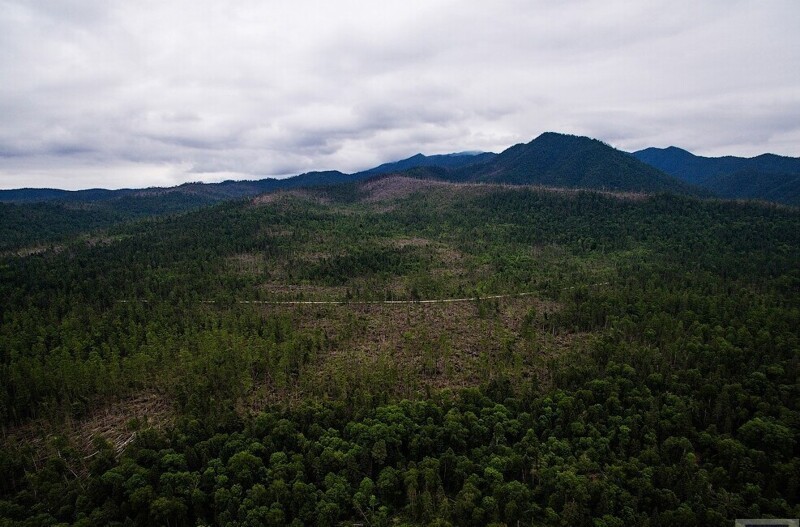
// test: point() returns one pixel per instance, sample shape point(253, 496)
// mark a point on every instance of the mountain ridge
point(453, 160)
point(767, 176)
point(572, 161)
point(551, 159)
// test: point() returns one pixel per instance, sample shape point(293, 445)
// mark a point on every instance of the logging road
point(370, 302)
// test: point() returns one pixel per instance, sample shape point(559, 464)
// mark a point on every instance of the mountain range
point(552, 159)
point(767, 177)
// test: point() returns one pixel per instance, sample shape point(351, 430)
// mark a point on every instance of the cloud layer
point(113, 93)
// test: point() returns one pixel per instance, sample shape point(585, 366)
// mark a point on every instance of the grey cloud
point(107, 92)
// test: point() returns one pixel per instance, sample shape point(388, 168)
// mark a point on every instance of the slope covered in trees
point(458, 160)
point(559, 160)
point(30, 227)
point(647, 375)
point(766, 177)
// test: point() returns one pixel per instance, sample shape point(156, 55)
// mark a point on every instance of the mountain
point(698, 169)
point(37, 195)
point(240, 189)
point(450, 161)
point(552, 159)
point(559, 160)
point(205, 192)
point(48, 216)
point(751, 184)
point(767, 177)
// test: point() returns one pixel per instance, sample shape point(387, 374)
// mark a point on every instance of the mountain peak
point(558, 137)
point(563, 160)
point(445, 161)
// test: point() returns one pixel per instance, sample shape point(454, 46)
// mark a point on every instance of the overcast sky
point(115, 93)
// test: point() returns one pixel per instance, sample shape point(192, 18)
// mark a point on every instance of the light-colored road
point(368, 302)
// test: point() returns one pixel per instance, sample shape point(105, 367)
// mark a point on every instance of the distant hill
point(204, 191)
point(448, 161)
point(38, 195)
point(767, 177)
point(750, 184)
point(552, 159)
point(51, 215)
point(559, 160)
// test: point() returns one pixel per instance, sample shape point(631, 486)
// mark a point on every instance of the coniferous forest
point(402, 352)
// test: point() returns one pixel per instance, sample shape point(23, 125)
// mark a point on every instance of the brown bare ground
point(394, 187)
point(282, 195)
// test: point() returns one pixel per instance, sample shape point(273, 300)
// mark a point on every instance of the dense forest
point(597, 359)
point(766, 177)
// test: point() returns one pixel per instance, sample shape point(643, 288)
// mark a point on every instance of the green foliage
point(682, 408)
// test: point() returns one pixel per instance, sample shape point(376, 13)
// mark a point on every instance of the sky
point(120, 93)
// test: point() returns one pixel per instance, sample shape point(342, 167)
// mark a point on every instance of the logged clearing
point(397, 187)
point(409, 349)
point(78, 441)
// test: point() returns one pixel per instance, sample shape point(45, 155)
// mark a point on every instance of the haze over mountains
point(552, 159)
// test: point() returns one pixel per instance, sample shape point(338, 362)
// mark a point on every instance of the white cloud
point(114, 93)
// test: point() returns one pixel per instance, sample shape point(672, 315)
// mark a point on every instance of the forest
point(403, 352)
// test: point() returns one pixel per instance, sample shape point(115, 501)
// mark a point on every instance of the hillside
point(31, 218)
point(559, 160)
point(751, 184)
point(552, 159)
point(446, 161)
point(31, 226)
point(203, 192)
point(405, 350)
point(766, 177)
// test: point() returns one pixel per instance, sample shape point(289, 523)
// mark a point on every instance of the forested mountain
point(38, 195)
point(559, 160)
point(594, 359)
point(766, 177)
point(36, 217)
point(202, 192)
point(551, 160)
point(751, 184)
point(457, 160)
point(33, 226)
